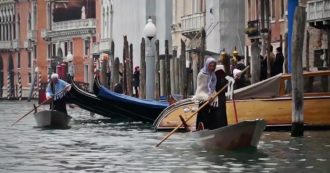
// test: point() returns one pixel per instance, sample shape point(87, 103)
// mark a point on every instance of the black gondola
point(135, 108)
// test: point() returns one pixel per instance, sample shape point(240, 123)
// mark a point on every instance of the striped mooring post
point(8, 86)
point(38, 85)
point(39, 82)
point(19, 86)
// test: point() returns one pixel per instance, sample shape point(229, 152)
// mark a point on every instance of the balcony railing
point(192, 23)
point(8, 45)
point(74, 24)
point(318, 10)
point(105, 45)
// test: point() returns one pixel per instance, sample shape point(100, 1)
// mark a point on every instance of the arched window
point(29, 22)
point(103, 23)
point(30, 77)
point(1, 25)
point(107, 22)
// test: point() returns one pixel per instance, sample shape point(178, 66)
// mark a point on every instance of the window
point(86, 47)
point(53, 50)
point(1, 28)
point(65, 48)
point(49, 50)
point(29, 59)
point(257, 10)
point(273, 5)
point(18, 60)
point(282, 9)
point(14, 27)
point(71, 47)
point(35, 52)
point(30, 78)
point(50, 70)
point(29, 22)
point(249, 10)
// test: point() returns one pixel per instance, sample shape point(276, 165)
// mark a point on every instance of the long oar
point(207, 102)
point(39, 106)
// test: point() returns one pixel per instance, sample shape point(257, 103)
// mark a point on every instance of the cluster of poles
point(171, 76)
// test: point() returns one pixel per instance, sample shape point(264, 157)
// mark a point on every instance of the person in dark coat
point(240, 80)
point(219, 114)
point(277, 67)
point(263, 68)
point(136, 80)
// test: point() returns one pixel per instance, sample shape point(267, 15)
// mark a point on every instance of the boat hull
point(52, 119)
point(242, 135)
point(91, 102)
point(134, 108)
point(277, 112)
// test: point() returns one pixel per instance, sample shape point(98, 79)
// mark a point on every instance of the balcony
point(318, 13)
point(105, 45)
point(32, 35)
point(74, 24)
point(69, 28)
point(192, 24)
point(9, 45)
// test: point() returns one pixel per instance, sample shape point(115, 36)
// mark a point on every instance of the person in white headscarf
point(56, 91)
point(206, 82)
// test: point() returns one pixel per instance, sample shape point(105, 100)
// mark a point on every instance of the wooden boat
point(269, 100)
point(132, 107)
point(52, 119)
point(91, 102)
point(244, 134)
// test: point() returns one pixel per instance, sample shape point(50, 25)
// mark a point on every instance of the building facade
point(257, 27)
point(18, 50)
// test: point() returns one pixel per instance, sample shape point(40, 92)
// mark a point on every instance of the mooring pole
point(297, 129)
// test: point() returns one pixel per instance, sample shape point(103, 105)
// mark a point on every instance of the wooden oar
point(35, 107)
point(207, 102)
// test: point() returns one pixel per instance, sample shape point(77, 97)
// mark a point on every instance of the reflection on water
point(97, 144)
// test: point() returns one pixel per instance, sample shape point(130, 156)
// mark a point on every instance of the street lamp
point(150, 32)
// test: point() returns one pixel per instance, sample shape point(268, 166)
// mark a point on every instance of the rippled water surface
point(95, 144)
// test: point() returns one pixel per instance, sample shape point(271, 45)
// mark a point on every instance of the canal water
point(96, 144)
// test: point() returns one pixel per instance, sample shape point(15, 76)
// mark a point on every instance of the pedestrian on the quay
point(263, 68)
point(206, 83)
point(56, 91)
point(136, 80)
point(277, 67)
point(240, 80)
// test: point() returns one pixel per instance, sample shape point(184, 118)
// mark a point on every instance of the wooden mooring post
point(299, 23)
point(255, 62)
point(115, 72)
point(112, 63)
point(157, 77)
point(125, 64)
point(143, 70)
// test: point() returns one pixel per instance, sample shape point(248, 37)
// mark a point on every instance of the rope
point(19, 86)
